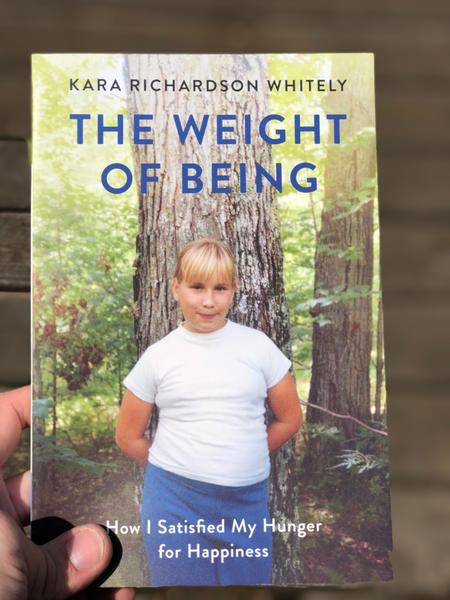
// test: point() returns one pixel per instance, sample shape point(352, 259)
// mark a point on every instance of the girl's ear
point(175, 286)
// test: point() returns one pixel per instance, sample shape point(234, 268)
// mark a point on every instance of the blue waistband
point(204, 487)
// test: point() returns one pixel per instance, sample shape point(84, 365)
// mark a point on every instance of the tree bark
point(379, 360)
point(248, 222)
point(344, 259)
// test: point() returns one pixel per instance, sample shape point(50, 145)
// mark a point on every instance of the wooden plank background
point(411, 42)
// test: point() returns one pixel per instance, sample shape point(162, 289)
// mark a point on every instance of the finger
point(19, 491)
point(14, 416)
point(68, 563)
point(6, 503)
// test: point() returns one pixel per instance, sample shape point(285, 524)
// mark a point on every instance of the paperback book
point(208, 358)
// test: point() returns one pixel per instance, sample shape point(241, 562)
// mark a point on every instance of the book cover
point(208, 362)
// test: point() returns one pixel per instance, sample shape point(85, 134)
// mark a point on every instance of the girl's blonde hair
point(205, 259)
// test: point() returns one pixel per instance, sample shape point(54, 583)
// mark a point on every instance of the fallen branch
point(338, 416)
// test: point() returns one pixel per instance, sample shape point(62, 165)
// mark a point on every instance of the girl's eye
point(196, 286)
point(221, 288)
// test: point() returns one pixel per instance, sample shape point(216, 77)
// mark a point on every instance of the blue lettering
point(112, 167)
point(216, 177)
point(280, 132)
point(336, 129)
point(101, 128)
point(138, 128)
point(221, 129)
point(145, 177)
point(298, 128)
point(311, 180)
point(261, 172)
point(199, 132)
point(79, 118)
point(195, 177)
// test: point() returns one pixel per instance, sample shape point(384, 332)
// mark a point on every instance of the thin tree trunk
point(54, 395)
point(344, 262)
point(119, 381)
point(380, 361)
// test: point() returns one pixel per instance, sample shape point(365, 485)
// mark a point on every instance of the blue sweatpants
point(181, 548)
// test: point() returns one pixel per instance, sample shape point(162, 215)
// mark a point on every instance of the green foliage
point(83, 254)
point(41, 406)
point(298, 246)
point(315, 430)
point(90, 419)
point(348, 253)
point(66, 457)
point(352, 203)
point(340, 293)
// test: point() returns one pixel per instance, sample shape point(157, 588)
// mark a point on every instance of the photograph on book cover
point(208, 375)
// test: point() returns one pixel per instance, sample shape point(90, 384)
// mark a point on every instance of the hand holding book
point(64, 566)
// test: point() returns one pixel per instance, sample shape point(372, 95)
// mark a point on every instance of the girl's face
point(204, 304)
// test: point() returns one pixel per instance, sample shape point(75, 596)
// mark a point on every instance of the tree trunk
point(379, 361)
point(248, 222)
point(344, 262)
point(54, 394)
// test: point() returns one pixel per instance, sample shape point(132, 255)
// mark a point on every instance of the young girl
point(205, 505)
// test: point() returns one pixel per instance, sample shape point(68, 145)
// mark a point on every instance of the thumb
point(68, 563)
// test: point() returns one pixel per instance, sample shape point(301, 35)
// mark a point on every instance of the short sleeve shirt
point(210, 389)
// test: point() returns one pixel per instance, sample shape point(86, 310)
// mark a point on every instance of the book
point(274, 157)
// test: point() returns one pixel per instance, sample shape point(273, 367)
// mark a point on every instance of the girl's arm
point(286, 410)
point(132, 421)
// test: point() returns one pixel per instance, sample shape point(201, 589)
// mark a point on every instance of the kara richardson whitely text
point(78, 84)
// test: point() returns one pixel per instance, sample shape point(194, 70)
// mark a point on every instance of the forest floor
point(341, 553)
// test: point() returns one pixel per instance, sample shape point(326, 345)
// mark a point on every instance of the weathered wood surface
point(419, 439)
point(411, 42)
point(14, 251)
point(15, 339)
point(14, 176)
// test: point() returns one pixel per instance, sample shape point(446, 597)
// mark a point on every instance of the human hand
point(64, 566)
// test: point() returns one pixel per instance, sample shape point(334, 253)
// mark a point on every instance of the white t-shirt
point(210, 389)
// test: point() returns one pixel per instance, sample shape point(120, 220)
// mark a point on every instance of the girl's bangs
point(204, 264)
point(206, 268)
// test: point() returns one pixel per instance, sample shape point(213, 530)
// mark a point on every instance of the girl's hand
point(285, 405)
point(134, 415)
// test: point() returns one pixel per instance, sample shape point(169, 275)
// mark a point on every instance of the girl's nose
point(208, 299)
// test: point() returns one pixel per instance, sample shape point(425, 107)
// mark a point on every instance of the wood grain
point(15, 339)
point(414, 188)
point(419, 443)
point(415, 259)
point(15, 190)
point(14, 251)
point(416, 349)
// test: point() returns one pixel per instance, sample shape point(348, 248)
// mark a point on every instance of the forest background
point(83, 257)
